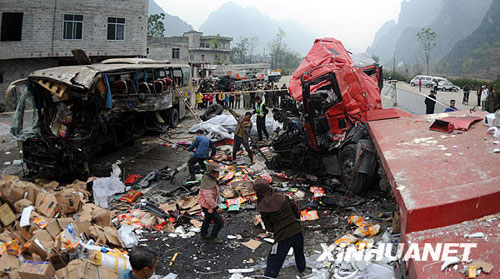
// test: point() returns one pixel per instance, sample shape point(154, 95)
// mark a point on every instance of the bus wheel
point(174, 118)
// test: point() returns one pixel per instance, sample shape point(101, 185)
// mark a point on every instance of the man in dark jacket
point(203, 146)
point(280, 216)
point(430, 103)
point(261, 111)
point(242, 134)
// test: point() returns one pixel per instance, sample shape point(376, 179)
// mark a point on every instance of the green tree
point(156, 28)
point(427, 39)
point(240, 50)
point(252, 44)
point(216, 45)
point(277, 46)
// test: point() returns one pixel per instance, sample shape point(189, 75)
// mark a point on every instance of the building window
point(73, 27)
point(191, 56)
point(203, 57)
point(116, 29)
point(202, 45)
point(12, 26)
point(175, 53)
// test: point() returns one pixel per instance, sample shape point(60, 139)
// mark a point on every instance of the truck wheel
point(354, 181)
point(174, 118)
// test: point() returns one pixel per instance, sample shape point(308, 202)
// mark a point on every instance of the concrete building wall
point(161, 48)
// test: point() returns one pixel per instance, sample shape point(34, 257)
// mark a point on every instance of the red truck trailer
point(446, 185)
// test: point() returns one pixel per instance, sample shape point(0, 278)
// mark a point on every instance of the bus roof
point(83, 76)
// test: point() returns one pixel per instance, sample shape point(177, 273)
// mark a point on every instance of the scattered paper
point(474, 235)
point(485, 266)
point(196, 223)
point(252, 244)
point(25, 217)
point(450, 261)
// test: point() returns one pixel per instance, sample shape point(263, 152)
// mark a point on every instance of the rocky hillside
point(456, 20)
point(477, 55)
point(414, 13)
point(174, 26)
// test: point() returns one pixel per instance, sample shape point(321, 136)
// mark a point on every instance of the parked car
point(426, 81)
point(447, 86)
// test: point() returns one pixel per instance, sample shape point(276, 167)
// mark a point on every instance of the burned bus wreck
point(329, 135)
point(66, 115)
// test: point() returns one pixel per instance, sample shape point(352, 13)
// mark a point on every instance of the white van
point(426, 81)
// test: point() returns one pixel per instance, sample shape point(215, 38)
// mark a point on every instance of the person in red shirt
point(210, 98)
point(209, 200)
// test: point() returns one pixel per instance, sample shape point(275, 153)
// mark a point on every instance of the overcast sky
point(355, 22)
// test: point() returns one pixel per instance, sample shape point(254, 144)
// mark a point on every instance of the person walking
point(261, 111)
point(430, 102)
point(209, 200)
point(280, 216)
point(465, 100)
point(203, 146)
point(420, 84)
point(242, 134)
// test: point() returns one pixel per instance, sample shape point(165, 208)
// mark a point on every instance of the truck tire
point(174, 118)
point(354, 181)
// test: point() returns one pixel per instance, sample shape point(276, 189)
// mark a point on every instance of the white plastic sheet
point(222, 127)
point(127, 236)
point(105, 187)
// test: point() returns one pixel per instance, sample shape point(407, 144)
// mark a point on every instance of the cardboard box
point(17, 189)
point(7, 217)
point(32, 192)
point(41, 243)
point(82, 220)
point(46, 204)
point(68, 201)
point(102, 217)
point(53, 228)
point(84, 269)
point(37, 270)
point(21, 204)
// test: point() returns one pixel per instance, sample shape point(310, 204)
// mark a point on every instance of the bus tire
point(174, 118)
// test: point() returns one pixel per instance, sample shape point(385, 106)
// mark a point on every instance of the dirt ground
point(202, 259)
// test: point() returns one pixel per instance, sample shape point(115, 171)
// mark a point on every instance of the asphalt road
point(410, 99)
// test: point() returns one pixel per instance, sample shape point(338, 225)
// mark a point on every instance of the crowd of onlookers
point(240, 95)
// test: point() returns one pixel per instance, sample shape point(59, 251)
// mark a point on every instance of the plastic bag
point(127, 236)
point(105, 187)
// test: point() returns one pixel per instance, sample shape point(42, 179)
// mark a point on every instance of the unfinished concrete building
point(41, 34)
point(194, 48)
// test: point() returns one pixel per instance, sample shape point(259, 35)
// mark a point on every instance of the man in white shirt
point(484, 97)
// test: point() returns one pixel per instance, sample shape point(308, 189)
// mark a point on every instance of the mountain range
point(174, 25)
point(452, 20)
point(235, 21)
point(477, 55)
